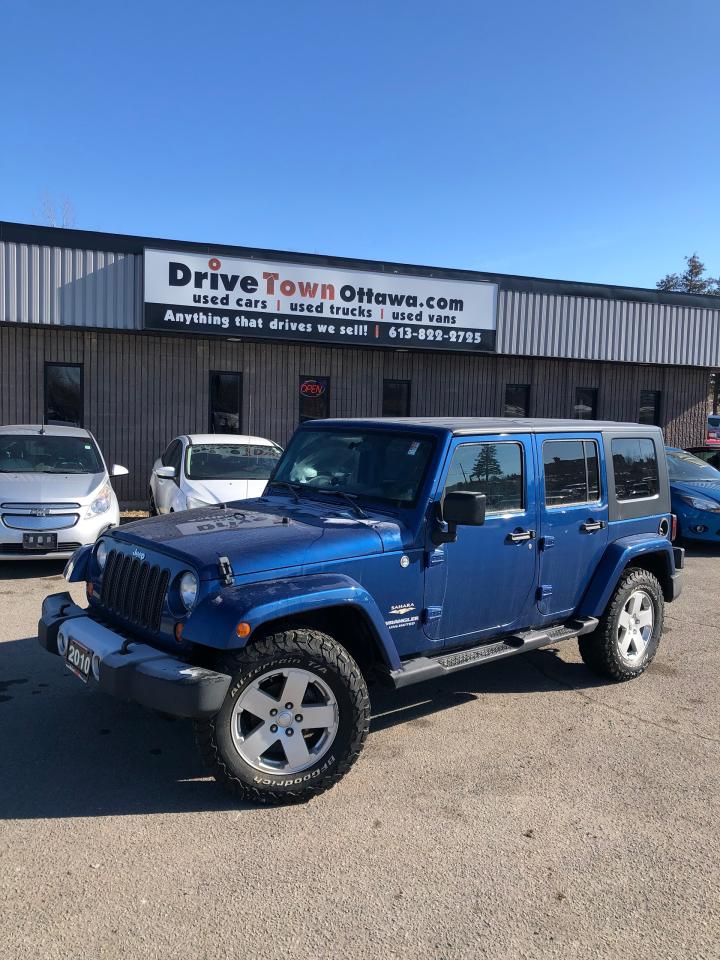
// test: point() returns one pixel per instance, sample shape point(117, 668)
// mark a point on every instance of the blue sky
point(562, 139)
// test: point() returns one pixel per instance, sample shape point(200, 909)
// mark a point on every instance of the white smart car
point(205, 469)
point(55, 492)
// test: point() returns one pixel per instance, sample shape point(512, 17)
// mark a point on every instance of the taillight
point(673, 526)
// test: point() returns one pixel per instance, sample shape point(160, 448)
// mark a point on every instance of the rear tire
point(294, 719)
point(627, 637)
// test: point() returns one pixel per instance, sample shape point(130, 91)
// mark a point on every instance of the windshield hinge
point(226, 571)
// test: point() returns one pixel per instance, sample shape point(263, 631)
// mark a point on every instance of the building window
point(571, 471)
point(517, 400)
point(635, 468)
point(314, 398)
point(225, 402)
point(396, 398)
point(585, 403)
point(495, 469)
point(64, 394)
point(649, 407)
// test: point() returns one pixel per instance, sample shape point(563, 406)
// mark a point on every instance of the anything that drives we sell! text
point(230, 297)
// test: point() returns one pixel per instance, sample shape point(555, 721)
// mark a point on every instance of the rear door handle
point(590, 526)
point(520, 536)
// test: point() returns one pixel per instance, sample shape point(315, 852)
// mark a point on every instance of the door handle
point(520, 536)
point(590, 526)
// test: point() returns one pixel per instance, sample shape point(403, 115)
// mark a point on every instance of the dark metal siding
point(142, 390)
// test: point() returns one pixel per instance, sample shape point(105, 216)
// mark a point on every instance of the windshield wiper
point(292, 487)
point(351, 499)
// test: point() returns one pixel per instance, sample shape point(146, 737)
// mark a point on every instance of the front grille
point(18, 548)
point(134, 589)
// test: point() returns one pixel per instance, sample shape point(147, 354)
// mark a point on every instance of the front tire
point(626, 639)
point(294, 719)
point(152, 508)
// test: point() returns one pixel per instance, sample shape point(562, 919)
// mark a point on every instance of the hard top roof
point(469, 426)
point(229, 438)
point(49, 429)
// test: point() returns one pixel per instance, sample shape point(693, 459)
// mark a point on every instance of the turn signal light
point(243, 629)
point(89, 589)
point(673, 528)
point(179, 627)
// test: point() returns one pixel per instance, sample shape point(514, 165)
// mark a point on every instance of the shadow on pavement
point(30, 569)
point(71, 751)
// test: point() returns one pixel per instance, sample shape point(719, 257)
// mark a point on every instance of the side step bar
point(428, 668)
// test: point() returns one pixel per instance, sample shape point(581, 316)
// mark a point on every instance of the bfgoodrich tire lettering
point(610, 651)
point(335, 679)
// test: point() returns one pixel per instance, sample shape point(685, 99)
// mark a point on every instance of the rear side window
point(495, 469)
point(635, 467)
point(571, 470)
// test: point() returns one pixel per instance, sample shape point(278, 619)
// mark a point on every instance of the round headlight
point(188, 589)
point(101, 554)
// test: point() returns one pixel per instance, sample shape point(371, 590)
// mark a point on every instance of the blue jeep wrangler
point(394, 549)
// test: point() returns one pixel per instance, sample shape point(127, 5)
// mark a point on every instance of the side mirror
point(464, 508)
point(460, 508)
point(165, 473)
point(118, 471)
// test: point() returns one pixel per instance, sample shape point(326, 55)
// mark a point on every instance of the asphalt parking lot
point(516, 810)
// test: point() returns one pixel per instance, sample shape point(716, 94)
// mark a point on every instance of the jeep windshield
point(39, 453)
point(385, 466)
point(685, 466)
point(230, 461)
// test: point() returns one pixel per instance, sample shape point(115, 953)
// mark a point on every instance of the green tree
point(692, 280)
point(486, 464)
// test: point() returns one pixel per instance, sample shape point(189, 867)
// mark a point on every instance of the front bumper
point(132, 670)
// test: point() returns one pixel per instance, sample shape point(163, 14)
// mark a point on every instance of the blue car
point(695, 493)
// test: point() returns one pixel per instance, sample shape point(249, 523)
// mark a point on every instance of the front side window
point(585, 403)
point(649, 407)
point(48, 454)
point(635, 467)
point(572, 474)
point(229, 461)
point(64, 394)
point(495, 469)
point(314, 398)
point(396, 398)
point(517, 400)
point(225, 402)
point(387, 466)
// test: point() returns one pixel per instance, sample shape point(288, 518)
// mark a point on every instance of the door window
point(571, 470)
point(64, 394)
point(585, 407)
point(495, 469)
point(517, 400)
point(225, 402)
point(314, 398)
point(396, 398)
point(635, 468)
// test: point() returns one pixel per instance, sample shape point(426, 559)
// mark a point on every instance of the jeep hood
point(258, 537)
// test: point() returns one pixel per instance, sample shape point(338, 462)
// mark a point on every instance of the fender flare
point(616, 558)
point(214, 621)
point(76, 569)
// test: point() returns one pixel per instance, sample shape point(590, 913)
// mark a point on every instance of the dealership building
point(141, 339)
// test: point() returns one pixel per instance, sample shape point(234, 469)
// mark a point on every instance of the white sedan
point(206, 469)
